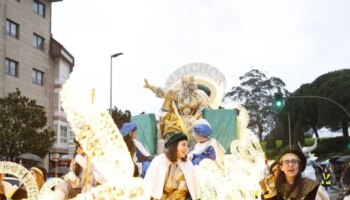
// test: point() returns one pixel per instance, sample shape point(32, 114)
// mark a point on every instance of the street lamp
point(110, 86)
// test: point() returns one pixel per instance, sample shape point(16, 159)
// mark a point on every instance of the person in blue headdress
point(140, 156)
point(206, 147)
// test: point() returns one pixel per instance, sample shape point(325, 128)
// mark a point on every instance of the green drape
point(147, 131)
point(224, 125)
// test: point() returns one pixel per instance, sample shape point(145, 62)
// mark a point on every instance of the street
point(333, 193)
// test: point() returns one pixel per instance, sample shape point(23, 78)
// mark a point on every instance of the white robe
point(155, 176)
point(219, 151)
point(143, 151)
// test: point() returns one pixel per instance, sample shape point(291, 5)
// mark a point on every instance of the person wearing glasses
point(291, 185)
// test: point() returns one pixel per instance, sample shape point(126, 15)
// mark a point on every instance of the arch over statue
point(184, 101)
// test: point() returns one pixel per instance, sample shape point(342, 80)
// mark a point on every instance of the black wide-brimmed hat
point(176, 137)
point(298, 153)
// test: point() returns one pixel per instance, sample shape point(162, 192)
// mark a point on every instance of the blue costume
point(209, 148)
point(141, 157)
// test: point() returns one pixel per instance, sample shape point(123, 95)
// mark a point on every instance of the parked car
point(13, 180)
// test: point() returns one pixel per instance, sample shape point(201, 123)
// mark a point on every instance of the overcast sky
point(294, 40)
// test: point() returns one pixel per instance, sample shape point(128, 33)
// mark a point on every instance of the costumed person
point(309, 171)
point(291, 185)
point(39, 174)
point(326, 179)
point(183, 106)
point(206, 147)
point(268, 184)
point(139, 154)
point(81, 177)
point(171, 175)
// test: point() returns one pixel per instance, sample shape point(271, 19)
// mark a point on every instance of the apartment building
point(35, 63)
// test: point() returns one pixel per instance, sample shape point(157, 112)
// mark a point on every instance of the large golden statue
point(182, 106)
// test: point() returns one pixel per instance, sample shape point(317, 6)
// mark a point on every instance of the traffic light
point(278, 103)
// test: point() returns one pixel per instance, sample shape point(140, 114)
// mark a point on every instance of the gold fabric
point(171, 123)
point(268, 187)
point(175, 187)
point(183, 106)
point(307, 186)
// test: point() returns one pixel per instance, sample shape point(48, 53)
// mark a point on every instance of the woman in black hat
point(171, 175)
point(291, 185)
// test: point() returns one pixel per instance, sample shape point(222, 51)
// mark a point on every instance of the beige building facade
point(35, 63)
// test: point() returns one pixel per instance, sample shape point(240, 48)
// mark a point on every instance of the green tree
point(316, 113)
point(23, 127)
point(256, 93)
point(120, 117)
point(298, 133)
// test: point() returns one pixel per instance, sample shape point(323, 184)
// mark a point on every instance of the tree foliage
point(316, 113)
point(120, 117)
point(256, 93)
point(22, 127)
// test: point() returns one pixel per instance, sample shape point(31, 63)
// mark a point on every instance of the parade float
point(104, 145)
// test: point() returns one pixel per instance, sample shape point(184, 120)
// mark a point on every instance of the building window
point(39, 8)
point(38, 42)
point(63, 134)
point(11, 67)
point(71, 136)
point(63, 74)
point(12, 28)
point(37, 77)
point(56, 101)
point(71, 150)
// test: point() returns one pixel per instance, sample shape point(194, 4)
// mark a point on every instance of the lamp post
point(290, 137)
point(110, 86)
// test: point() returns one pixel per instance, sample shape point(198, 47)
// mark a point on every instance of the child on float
point(139, 154)
point(171, 175)
point(206, 147)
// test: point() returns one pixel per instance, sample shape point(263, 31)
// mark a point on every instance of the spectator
point(326, 179)
point(291, 185)
point(345, 190)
